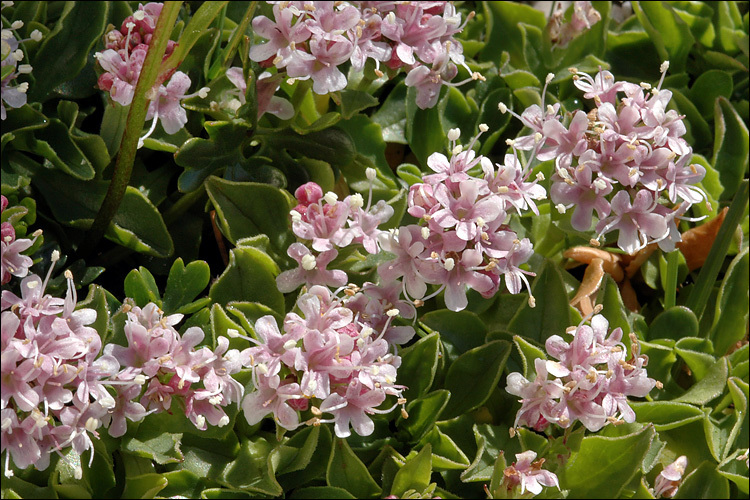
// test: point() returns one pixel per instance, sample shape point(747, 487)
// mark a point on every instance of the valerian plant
point(374, 249)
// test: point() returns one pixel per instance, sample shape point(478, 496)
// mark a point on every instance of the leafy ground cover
point(375, 249)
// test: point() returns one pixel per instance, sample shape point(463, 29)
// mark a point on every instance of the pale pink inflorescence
point(13, 93)
point(591, 379)
point(122, 62)
point(13, 262)
point(625, 160)
point(312, 40)
point(60, 388)
point(463, 239)
point(328, 359)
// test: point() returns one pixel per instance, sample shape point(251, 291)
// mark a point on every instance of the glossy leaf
point(605, 464)
point(446, 455)
point(64, 51)
point(669, 33)
point(252, 469)
point(141, 287)
point(463, 329)
point(248, 209)
point(731, 147)
point(709, 388)
point(424, 129)
point(473, 376)
point(665, 415)
point(696, 353)
point(505, 34)
point(704, 482)
point(346, 471)
point(184, 284)
point(415, 474)
point(731, 320)
point(250, 276)
point(144, 486)
point(423, 413)
point(321, 492)
point(707, 88)
point(529, 353)
point(674, 323)
point(418, 365)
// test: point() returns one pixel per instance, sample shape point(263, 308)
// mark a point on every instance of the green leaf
point(321, 492)
point(709, 388)
point(551, 316)
point(418, 365)
point(141, 287)
point(252, 469)
point(250, 276)
point(730, 322)
point(674, 323)
point(665, 415)
point(707, 88)
point(736, 471)
point(137, 225)
point(424, 129)
point(529, 353)
point(15, 487)
point(144, 486)
point(492, 441)
point(605, 464)
point(423, 413)
point(446, 455)
point(184, 284)
point(391, 115)
point(155, 444)
point(97, 300)
point(738, 389)
point(614, 309)
point(730, 156)
point(304, 444)
point(463, 329)
point(415, 474)
point(670, 34)
point(201, 157)
point(697, 126)
point(64, 51)
point(505, 34)
point(696, 353)
point(346, 470)
point(354, 101)
point(473, 376)
point(247, 209)
point(704, 482)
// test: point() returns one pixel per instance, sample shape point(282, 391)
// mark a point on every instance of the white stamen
point(560, 208)
point(540, 176)
point(330, 197)
point(140, 379)
point(36, 35)
point(18, 55)
point(664, 66)
point(392, 312)
point(449, 264)
point(25, 69)
point(483, 127)
point(17, 25)
point(356, 201)
point(233, 333)
point(223, 421)
point(600, 184)
point(23, 88)
point(308, 262)
point(203, 92)
point(200, 421)
point(290, 344)
point(458, 149)
point(425, 232)
point(502, 107)
point(371, 173)
point(550, 77)
point(92, 424)
point(296, 216)
point(454, 134)
point(139, 15)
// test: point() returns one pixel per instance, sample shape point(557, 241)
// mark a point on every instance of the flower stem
point(136, 118)
point(670, 283)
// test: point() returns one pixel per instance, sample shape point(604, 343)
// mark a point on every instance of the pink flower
point(668, 480)
point(311, 271)
point(636, 223)
point(528, 474)
point(352, 409)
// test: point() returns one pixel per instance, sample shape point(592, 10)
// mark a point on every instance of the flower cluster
point(12, 260)
point(626, 159)
point(591, 380)
point(311, 40)
point(329, 354)
point(527, 474)
point(327, 224)
point(265, 87)
point(13, 93)
point(172, 368)
point(463, 239)
point(53, 380)
point(122, 61)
